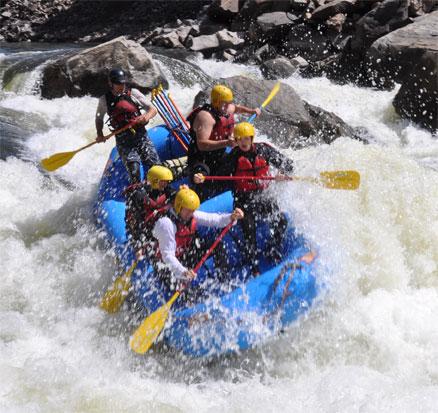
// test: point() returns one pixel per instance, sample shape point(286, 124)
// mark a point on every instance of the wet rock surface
point(339, 39)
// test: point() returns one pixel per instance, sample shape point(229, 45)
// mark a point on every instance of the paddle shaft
point(202, 260)
point(159, 105)
point(179, 112)
point(274, 91)
point(110, 135)
point(148, 331)
point(213, 246)
point(331, 179)
point(85, 147)
point(247, 178)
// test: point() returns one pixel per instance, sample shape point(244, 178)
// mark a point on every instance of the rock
point(6, 14)
point(183, 32)
point(391, 57)
point(429, 5)
point(335, 22)
point(334, 7)
point(264, 53)
point(203, 43)
point(417, 98)
point(288, 120)
point(170, 40)
point(299, 5)
point(85, 73)
point(410, 56)
point(226, 55)
point(229, 39)
point(387, 16)
point(278, 68)
point(275, 23)
point(415, 8)
point(207, 27)
point(223, 10)
point(308, 42)
point(298, 61)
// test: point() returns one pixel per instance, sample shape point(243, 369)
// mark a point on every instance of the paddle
point(116, 294)
point(271, 96)
point(57, 160)
point(332, 179)
point(151, 327)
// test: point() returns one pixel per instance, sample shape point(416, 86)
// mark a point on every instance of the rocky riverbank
point(370, 42)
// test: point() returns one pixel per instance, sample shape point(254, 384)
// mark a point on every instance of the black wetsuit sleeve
point(228, 163)
point(170, 194)
point(276, 158)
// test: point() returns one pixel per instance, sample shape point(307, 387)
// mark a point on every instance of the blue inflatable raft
point(245, 313)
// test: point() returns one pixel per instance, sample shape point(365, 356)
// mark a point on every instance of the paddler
point(145, 204)
point(179, 245)
point(254, 159)
point(211, 130)
point(124, 106)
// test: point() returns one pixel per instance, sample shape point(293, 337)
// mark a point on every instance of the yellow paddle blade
point(56, 161)
point(274, 91)
point(116, 294)
point(151, 327)
point(340, 179)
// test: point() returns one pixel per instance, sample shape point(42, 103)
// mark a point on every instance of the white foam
point(369, 345)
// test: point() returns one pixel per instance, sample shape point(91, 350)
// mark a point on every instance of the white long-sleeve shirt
point(136, 96)
point(164, 231)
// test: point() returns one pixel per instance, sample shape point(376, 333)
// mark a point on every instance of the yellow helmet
point(219, 94)
point(159, 173)
point(186, 198)
point(244, 129)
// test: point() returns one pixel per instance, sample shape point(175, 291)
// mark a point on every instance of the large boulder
point(417, 98)
point(387, 16)
point(85, 73)
point(287, 120)
point(410, 56)
point(393, 55)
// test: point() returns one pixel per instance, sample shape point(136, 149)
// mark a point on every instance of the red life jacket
point(244, 167)
point(224, 124)
point(121, 109)
point(154, 209)
point(185, 233)
point(151, 209)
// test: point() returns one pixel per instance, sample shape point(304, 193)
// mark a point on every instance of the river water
point(369, 344)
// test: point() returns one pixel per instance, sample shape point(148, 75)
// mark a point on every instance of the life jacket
point(121, 109)
point(147, 212)
point(223, 129)
point(185, 233)
point(224, 124)
point(246, 167)
point(154, 209)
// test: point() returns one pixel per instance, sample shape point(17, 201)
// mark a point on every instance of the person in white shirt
point(179, 246)
point(123, 106)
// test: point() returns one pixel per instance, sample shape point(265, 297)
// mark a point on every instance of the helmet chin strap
point(117, 94)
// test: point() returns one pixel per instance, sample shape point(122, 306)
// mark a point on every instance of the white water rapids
point(370, 344)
